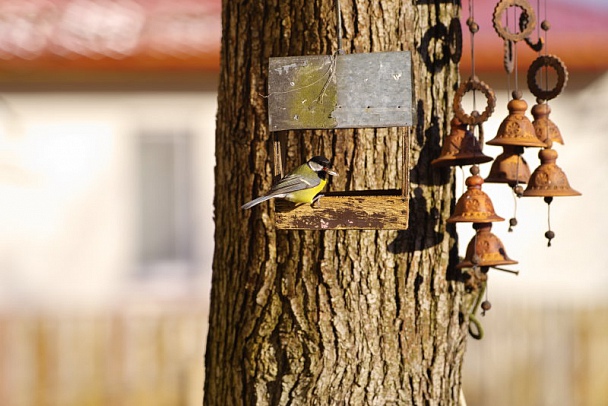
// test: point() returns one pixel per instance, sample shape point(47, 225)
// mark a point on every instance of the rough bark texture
point(333, 317)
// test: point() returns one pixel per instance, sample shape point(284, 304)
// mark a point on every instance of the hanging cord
point(473, 28)
point(517, 193)
point(545, 26)
point(486, 305)
point(549, 235)
point(513, 220)
point(516, 91)
point(509, 46)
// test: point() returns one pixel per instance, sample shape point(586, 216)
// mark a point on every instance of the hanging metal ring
point(550, 61)
point(525, 31)
point(473, 83)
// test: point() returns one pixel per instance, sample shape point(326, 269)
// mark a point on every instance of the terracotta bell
point(474, 206)
point(516, 129)
point(544, 127)
point(549, 179)
point(485, 249)
point(460, 147)
point(509, 167)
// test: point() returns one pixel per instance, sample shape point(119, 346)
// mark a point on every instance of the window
point(166, 226)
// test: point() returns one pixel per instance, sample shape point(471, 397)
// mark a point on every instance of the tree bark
point(333, 317)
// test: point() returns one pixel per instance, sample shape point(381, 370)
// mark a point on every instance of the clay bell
point(485, 249)
point(549, 179)
point(509, 167)
point(474, 206)
point(460, 147)
point(516, 129)
point(544, 127)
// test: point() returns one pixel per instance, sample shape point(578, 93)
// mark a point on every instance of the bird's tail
point(259, 200)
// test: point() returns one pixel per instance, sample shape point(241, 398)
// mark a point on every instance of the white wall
point(67, 194)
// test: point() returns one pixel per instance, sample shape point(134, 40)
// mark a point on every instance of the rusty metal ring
point(525, 31)
point(473, 83)
point(550, 61)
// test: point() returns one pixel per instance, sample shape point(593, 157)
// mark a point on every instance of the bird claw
point(315, 201)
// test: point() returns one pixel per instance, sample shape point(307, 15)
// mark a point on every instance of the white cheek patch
point(315, 166)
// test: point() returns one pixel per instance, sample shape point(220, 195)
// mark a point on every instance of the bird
point(301, 185)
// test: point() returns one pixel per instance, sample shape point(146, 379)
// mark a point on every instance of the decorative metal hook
point(524, 21)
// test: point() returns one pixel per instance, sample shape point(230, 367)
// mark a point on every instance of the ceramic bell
point(544, 127)
point(474, 206)
point(549, 179)
point(460, 148)
point(516, 129)
point(509, 167)
point(485, 249)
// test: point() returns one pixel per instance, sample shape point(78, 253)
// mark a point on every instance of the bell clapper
point(549, 235)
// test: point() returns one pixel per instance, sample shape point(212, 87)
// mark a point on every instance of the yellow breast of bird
point(306, 195)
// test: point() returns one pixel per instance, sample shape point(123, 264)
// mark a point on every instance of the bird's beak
point(331, 172)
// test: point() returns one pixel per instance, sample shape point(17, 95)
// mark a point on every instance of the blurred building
point(107, 120)
point(106, 149)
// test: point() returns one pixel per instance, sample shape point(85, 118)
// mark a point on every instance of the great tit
point(302, 185)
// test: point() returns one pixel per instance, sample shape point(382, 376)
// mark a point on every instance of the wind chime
point(548, 180)
point(461, 147)
point(516, 132)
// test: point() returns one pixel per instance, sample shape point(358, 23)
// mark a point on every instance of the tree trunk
point(333, 317)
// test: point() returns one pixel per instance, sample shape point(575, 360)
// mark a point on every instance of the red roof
point(118, 34)
point(185, 35)
point(578, 35)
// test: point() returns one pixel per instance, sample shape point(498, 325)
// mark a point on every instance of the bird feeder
point(368, 90)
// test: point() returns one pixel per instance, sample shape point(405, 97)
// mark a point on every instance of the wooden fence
point(150, 358)
point(539, 357)
point(535, 357)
